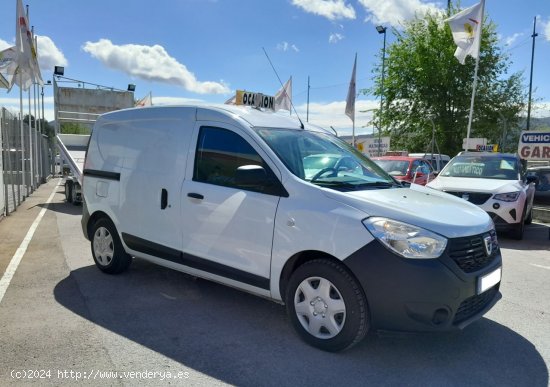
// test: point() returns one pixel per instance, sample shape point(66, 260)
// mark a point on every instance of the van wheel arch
point(298, 260)
point(93, 220)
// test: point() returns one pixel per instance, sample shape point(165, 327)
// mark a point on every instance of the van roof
point(216, 112)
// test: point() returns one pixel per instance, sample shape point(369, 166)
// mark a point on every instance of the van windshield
point(325, 160)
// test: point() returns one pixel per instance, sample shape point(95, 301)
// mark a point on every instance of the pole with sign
point(257, 100)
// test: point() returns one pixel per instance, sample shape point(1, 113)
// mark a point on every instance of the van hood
point(428, 208)
point(494, 186)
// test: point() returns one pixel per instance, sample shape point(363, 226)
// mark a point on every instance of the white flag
point(466, 30)
point(8, 67)
point(283, 98)
point(232, 100)
point(350, 101)
point(28, 71)
point(145, 101)
point(4, 84)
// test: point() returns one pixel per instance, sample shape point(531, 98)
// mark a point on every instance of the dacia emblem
point(466, 196)
point(488, 245)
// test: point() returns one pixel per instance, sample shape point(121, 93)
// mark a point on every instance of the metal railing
point(27, 161)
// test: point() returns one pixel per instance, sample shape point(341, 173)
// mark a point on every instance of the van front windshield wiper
point(379, 184)
point(356, 187)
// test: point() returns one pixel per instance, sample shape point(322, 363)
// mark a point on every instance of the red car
point(405, 167)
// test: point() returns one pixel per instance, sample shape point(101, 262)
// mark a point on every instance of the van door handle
point(163, 199)
point(195, 195)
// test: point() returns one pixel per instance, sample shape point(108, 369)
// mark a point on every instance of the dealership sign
point(534, 145)
point(258, 100)
point(373, 147)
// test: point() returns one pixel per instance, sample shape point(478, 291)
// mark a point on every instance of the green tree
point(425, 82)
point(74, 128)
point(41, 124)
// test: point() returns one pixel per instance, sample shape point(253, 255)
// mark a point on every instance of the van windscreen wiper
point(347, 186)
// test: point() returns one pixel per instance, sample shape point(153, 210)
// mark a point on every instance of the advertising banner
point(372, 147)
point(534, 145)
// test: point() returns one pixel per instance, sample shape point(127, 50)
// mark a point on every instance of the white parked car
point(496, 182)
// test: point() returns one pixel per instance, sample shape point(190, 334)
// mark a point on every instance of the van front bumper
point(427, 294)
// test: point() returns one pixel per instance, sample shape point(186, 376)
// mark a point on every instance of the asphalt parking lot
point(62, 317)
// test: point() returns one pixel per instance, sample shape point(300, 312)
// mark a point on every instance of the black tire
point(518, 230)
point(529, 218)
point(333, 330)
point(68, 191)
point(107, 250)
point(74, 196)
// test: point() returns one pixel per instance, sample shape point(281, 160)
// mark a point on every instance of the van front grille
point(470, 253)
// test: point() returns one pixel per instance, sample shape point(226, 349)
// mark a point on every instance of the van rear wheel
point(107, 250)
point(327, 306)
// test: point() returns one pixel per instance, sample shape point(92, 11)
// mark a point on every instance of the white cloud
point(4, 45)
point(541, 109)
point(335, 38)
point(285, 46)
point(177, 101)
point(151, 63)
point(512, 39)
point(395, 12)
point(331, 9)
point(332, 114)
point(12, 105)
point(49, 55)
point(546, 29)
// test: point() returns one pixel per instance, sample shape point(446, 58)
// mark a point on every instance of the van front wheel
point(107, 250)
point(327, 306)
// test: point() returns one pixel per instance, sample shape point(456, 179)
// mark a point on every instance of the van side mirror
point(250, 176)
point(256, 178)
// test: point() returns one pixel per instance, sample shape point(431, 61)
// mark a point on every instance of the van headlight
point(406, 240)
point(507, 197)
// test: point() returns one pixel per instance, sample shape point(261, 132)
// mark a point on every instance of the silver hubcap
point(103, 246)
point(320, 307)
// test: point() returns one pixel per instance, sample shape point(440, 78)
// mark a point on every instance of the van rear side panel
point(148, 150)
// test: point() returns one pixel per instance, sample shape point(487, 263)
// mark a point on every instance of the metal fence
point(27, 161)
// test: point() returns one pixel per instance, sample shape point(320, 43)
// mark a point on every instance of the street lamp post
point(381, 30)
point(504, 130)
point(531, 74)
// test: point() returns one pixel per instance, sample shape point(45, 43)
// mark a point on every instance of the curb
point(541, 214)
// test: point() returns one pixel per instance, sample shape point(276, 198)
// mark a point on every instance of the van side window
point(219, 153)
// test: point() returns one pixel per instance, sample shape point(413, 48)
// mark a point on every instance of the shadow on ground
point(248, 341)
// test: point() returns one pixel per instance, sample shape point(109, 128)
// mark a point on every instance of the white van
point(263, 203)
point(437, 160)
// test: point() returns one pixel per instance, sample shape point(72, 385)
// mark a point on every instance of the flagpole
point(290, 110)
point(350, 101)
point(307, 110)
point(353, 128)
point(474, 86)
point(22, 133)
point(31, 169)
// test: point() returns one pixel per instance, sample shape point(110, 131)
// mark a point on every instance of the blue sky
point(203, 50)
